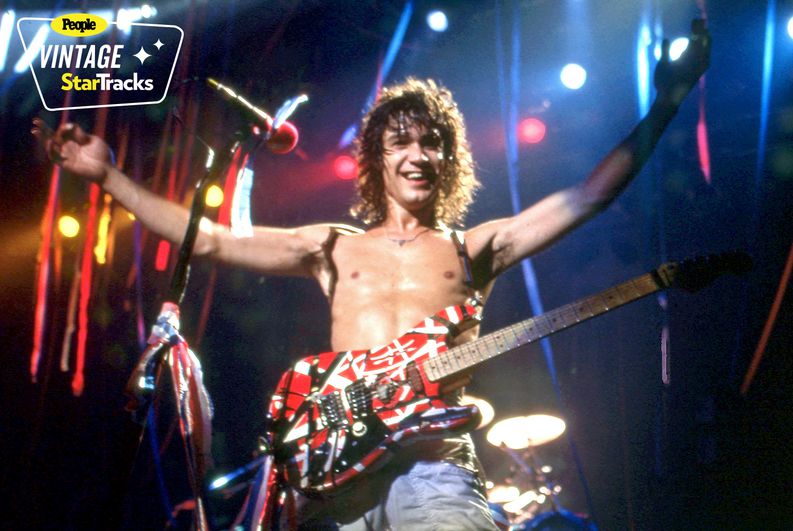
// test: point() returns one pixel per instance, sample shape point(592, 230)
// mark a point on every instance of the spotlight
point(345, 167)
point(531, 131)
point(214, 196)
point(677, 47)
point(147, 11)
point(790, 27)
point(68, 226)
point(573, 76)
point(437, 21)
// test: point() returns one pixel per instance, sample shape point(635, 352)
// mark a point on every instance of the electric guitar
point(341, 414)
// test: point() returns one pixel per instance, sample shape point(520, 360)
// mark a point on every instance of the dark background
point(695, 454)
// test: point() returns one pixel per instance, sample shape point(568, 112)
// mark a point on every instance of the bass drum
point(557, 521)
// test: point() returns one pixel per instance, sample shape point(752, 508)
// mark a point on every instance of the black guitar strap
point(462, 252)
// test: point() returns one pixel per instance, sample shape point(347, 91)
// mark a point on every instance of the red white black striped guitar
point(340, 414)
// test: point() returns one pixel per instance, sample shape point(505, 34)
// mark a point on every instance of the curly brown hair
point(430, 105)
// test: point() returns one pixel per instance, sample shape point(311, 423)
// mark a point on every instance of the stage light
point(345, 167)
point(33, 49)
point(222, 481)
point(214, 196)
point(126, 16)
point(573, 76)
point(6, 28)
point(437, 21)
point(790, 27)
point(147, 11)
point(677, 48)
point(68, 226)
point(531, 131)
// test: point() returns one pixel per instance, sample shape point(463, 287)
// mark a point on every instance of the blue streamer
point(765, 98)
point(155, 452)
point(388, 62)
point(509, 113)
point(643, 54)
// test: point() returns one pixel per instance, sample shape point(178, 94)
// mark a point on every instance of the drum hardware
point(530, 493)
point(518, 433)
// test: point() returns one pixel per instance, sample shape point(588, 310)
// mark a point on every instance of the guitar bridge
point(331, 409)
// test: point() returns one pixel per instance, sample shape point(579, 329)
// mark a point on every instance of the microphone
point(280, 139)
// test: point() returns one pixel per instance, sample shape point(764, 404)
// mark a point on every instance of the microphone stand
point(144, 380)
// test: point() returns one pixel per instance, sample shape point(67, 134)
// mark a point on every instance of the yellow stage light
point(214, 196)
point(68, 226)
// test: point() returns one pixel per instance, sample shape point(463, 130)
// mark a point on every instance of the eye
point(432, 140)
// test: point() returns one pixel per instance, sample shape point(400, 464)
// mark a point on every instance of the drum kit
point(529, 498)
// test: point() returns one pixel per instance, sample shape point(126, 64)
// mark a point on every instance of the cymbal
point(484, 406)
point(502, 493)
point(521, 432)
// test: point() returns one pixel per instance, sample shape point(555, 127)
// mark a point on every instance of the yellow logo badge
point(79, 25)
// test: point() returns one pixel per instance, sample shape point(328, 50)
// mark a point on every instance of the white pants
point(429, 496)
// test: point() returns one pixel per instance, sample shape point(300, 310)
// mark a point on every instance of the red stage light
point(531, 131)
point(345, 167)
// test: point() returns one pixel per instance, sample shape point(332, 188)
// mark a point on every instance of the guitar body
point(340, 414)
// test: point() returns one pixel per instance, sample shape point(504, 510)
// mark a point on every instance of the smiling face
point(412, 165)
point(409, 118)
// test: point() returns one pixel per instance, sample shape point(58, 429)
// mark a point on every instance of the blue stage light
point(437, 21)
point(677, 48)
point(573, 76)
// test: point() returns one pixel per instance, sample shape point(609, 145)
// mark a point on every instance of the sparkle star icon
point(159, 44)
point(142, 55)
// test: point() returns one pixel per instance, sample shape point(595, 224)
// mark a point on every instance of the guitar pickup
point(331, 409)
point(359, 396)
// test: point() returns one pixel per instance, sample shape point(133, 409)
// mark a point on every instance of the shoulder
point(321, 233)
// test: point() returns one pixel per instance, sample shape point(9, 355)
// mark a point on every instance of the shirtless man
point(415, 178)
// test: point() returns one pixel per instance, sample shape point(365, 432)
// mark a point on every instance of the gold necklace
point(403, 241)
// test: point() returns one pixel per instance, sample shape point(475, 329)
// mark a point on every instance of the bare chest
point(383, 288)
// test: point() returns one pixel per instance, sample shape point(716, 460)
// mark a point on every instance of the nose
point(417, 154)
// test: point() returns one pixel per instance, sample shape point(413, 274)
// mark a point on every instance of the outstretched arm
point(501, 243)
point(270, 250)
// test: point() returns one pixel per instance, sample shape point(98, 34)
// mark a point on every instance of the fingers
point(700, 33)
point(41, 130)
point(698, 26)
point(65, 133)
point(77, 134)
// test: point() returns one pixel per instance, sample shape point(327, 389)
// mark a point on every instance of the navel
point(448, 274)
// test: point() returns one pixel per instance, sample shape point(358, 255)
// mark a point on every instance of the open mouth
point(419, 177)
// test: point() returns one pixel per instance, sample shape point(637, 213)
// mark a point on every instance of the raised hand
point(674, 79)
point(77, 152)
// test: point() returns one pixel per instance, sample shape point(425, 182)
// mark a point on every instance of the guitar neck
point(460, 358)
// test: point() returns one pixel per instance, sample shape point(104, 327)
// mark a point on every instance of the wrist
point(664, 108)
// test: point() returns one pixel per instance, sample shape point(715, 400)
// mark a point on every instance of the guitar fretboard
point(491, 345)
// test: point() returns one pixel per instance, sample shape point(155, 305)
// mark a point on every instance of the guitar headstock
point(694, 274)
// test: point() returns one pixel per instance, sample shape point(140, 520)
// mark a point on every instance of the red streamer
point(224, 214)
point(702, 125)
point(78, 381)
point(42, 280)
point(702, 134)
point(769, 325)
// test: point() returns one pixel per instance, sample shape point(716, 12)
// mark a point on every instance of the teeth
point(414, 176)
